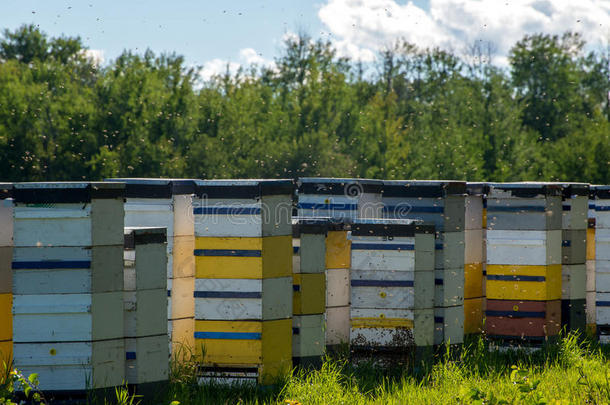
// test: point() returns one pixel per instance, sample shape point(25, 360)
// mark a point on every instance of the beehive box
point(443, 204)
point(6, 290)
point(575, 205)
point(145, 292)
point(590, 268)
point(337, 262)
point(168, 203)
point(68, 284)
point(524, 222)
point(474, 257)
point(601, 199)
point(243, 287)
point(341, 199)
point(392, 284)
point(309, 290)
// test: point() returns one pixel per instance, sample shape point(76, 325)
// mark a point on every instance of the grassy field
point(570, 372)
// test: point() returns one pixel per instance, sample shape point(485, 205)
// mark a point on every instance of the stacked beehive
point(591, 328)
point(474, 258)
point(243, 286)
point(392, 284)
point(339, 199)
point(523, 261)
point(338, 260)
point(575, 205)
point(68, 284)
point(6, 283)
point(309, 290)
point(168, 203)
point(602, 261)
point(441, 203)
point(145, 283)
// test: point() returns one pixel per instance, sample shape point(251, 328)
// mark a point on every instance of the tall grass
point(571, 371)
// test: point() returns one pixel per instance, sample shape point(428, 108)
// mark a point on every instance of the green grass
point(571, 371)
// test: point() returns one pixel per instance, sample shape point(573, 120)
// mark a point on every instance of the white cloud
point(217, 67)
point(96, 56)
point(362, 27)
point(249, 56)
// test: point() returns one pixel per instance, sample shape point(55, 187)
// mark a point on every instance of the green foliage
point(12, 380)
point(417, 113)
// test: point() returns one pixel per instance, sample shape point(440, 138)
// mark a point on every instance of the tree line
point(415, 114)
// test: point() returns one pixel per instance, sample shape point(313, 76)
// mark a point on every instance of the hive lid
point(66, 192)
point(601, 192)
point(525, 189)
point(155, 188)
point(423, 188)
point(477, 188)
point(243, 188)
point(338, 186)
point(390, 227)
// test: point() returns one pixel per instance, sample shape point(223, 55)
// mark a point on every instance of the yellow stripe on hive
point(6, 316)
point(229, 326)
point(549, 289)
point(484, 218)
point(275, 258)
point(385, 323)
point(473, 280)
point(338, 250)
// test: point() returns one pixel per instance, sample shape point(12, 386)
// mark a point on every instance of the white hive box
point(601, 198)
point(168, 203)
point(146, 339)
point(337, 262)
point(340, 199)
point(392, 284)
point(68, 284)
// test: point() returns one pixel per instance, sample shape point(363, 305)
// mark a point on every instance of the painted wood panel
point(537, 283)
point(232, 299)
point(311, 253)
point(337, 325)
point(375, 253)
point(337, 287)
point(309, 293)
point(474, 212)
point(575, 213)
point(473, 316)
point(74, 365)
point(6, 317)
point(573, 282)
point(516, 213)
point(6, 274)
point(146, 359)
point(338, 207)
point(523, 319)
point(523, 247)
point(574, 246)
point(338, 250)
point(241, 258)
point(473, 244)
point(447, 214)
point(6, 353)
point(269, 216)
point(449, 287)
point(6, 222)
point(449, 324)
point(308, 336)
point(473, 280)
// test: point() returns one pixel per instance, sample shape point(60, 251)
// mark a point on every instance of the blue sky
point(211, 33)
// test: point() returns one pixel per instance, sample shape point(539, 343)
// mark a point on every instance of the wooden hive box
point(474, 257)
point(168, 203)
point(601, 199)
point(340, 199)
point(309, 290)
point(337, 262)
point(6, 283)
point(145, 292)
point(575, 205)
point(523, 255)
point(442, 203)
point(590, 268)
point(243, 286)
point(68, 284)
point(392, 284)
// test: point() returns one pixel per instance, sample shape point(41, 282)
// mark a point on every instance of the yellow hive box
point(243, 258)
point(520, 282)
point(338, 250)
point(266, 345)
point(473, 315)
point(473, 280)
point(6, 317)
point(309, 293)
